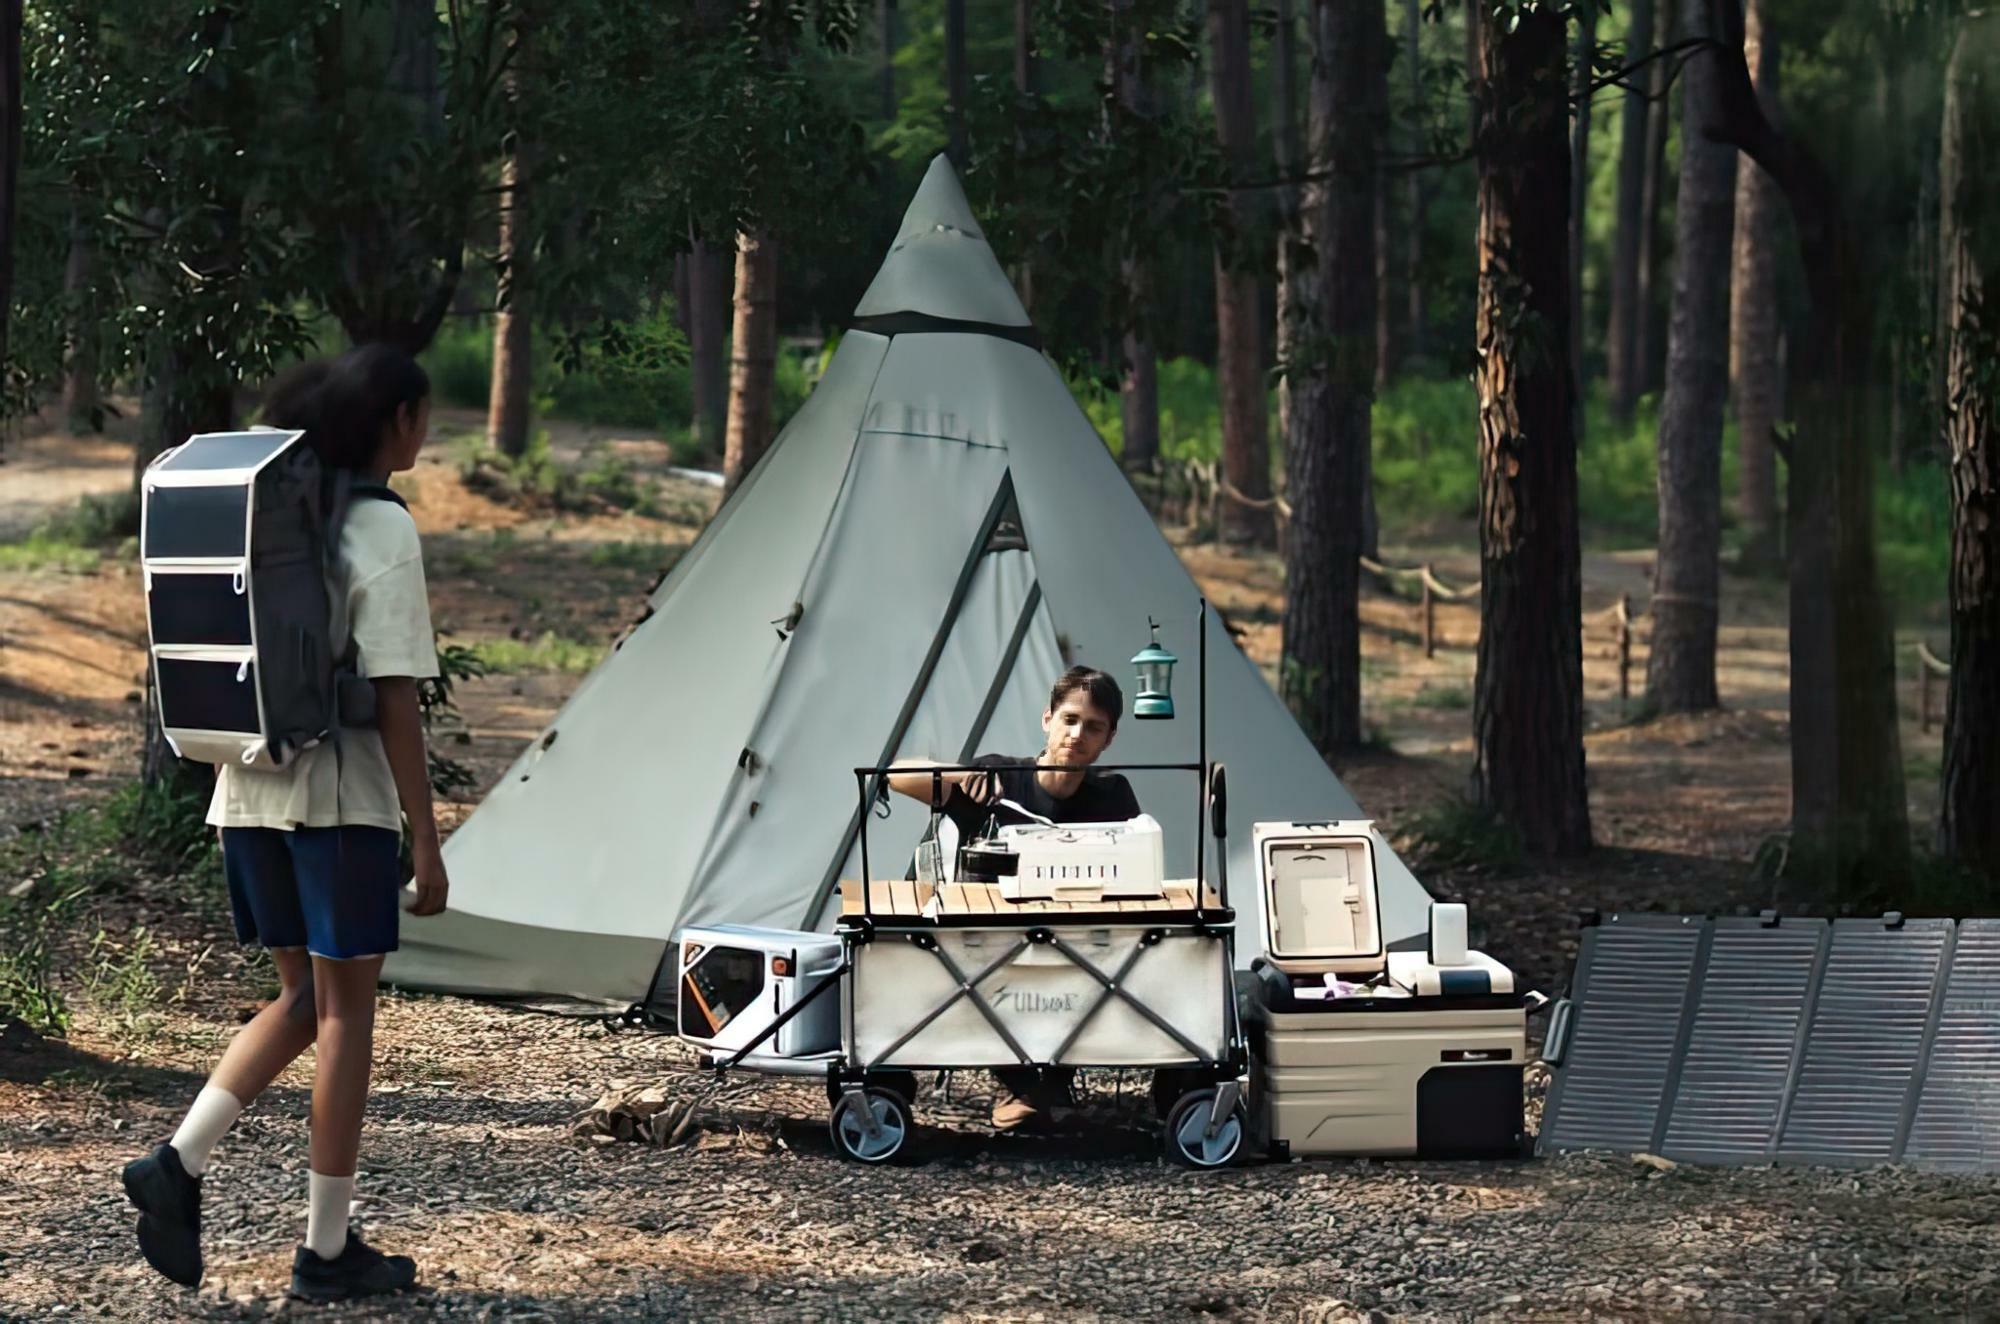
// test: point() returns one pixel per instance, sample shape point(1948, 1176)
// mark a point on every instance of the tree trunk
point(885, 63)
point(1621, 347)
point(708, 336)
point(1413, 232)
point(1239, 352)
point(1754, 372)
point(1025, 79)
point(1579, 184)
point(10, 153)
point(1285, 142)
point(1385, 303)
point(1527, 712)
point(1320, 672)
point(1645, 313)
point(1848, 811)
point(1969, 228)
point(754, 357)
point(507, 407)
point(1680, 675)
point(1138, 381)
point(82, 404)
point(1026, 84)
point(954, 68)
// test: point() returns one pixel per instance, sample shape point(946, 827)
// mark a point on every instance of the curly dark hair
point(345, 404)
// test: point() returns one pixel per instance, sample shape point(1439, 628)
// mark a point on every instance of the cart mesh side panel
point(1865, 1043)
point(1958, 1110)
point(1743, 1048)
point(1629, 996)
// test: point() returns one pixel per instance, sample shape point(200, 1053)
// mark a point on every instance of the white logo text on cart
point(1025, 999)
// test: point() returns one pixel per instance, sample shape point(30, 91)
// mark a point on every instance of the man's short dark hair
point(1104, 694)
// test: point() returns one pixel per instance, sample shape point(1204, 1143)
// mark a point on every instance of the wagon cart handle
point(1218, 824)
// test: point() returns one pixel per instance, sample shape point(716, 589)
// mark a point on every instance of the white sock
point(326, 1214)
point(215, 1110)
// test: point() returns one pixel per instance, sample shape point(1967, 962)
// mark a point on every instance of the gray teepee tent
point(928, 543)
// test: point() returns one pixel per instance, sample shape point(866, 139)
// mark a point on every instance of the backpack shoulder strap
point(376, 492)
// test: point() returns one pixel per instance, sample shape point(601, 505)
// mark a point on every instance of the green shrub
point(32, 920)
point(550, 652)
point(37, 552)
point(1460, 834)
point(96, 520)
point(1913, 535)
point(460, 363)
point(1427, 450)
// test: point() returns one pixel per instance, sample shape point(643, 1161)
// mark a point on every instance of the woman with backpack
point(312, 850)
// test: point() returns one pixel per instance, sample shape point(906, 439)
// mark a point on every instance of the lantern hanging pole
point(1201, 721)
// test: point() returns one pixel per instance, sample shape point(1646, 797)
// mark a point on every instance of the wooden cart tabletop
point(903, 899)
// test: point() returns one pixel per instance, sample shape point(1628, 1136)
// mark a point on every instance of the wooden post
point(1624, 651)
point(1430, 616)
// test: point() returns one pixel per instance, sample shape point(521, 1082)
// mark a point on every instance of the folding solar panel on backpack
point(232, 536)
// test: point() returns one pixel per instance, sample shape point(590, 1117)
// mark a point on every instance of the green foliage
point(550, 652)
point(57, 870)
point(74, 541)
point(1085, 181)
point(1459, 834)
point(32, 922)
point(435, 701)
point(97, 520)
point(534, 478)
point(38, 551)
point(1913, 537)
point(118, 976)
point(1427, 451)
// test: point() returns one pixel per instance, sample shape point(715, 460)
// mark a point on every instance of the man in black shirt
point(1081, 720)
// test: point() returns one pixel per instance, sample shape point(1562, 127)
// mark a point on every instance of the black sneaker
point(359, 1270)
point(169, 1203)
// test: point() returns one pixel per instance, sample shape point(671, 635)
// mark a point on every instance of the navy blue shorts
point(332, 891)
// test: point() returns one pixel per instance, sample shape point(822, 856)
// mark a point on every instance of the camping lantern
point(1156, 679)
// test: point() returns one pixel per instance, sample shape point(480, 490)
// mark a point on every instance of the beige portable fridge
point(1391, 1077)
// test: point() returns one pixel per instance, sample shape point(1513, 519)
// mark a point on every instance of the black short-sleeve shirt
point(1103, 797)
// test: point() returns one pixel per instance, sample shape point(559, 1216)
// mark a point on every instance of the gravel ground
point(469, 1165)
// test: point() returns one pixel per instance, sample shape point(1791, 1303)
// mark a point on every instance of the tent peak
point(940, 205)
point(940, 264)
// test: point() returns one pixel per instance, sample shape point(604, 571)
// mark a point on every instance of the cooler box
point(735, 980)
point(1391, 1076)
point(1322, 913)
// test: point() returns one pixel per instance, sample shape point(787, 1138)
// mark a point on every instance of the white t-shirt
point(390, 615)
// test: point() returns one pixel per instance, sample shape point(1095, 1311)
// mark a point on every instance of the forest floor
point(469, 1164)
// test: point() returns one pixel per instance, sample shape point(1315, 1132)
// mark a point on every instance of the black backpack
point(246, 601)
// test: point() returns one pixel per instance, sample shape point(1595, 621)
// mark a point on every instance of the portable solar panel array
point(1768, 1040)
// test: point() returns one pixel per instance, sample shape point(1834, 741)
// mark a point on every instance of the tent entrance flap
point(996, 513)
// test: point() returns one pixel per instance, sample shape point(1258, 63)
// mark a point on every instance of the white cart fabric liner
point(1758, 1040)
point(1044, 1002)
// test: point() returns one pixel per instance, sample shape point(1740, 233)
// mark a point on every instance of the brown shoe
point(1012, 1112)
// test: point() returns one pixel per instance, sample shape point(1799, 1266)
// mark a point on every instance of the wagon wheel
point(1189, 1137)
point(856, 1139)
